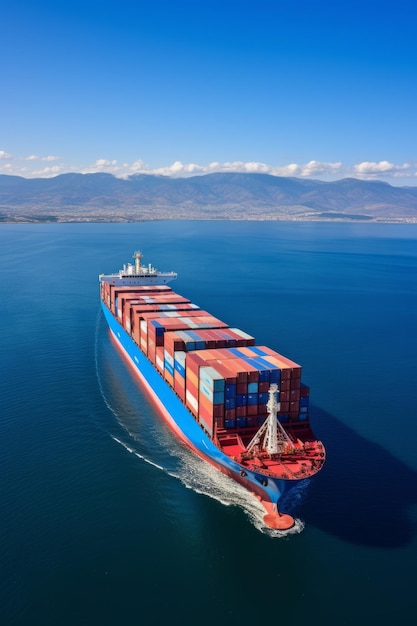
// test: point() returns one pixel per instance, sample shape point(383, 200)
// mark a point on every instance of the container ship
point(240, 406)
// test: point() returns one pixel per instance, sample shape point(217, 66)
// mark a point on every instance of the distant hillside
point(103, 197)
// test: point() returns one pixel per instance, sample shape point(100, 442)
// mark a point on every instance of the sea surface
point(107, 520)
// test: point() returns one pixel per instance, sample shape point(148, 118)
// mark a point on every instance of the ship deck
point(303, 460)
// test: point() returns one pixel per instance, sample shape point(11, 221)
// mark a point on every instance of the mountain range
point(103, 197)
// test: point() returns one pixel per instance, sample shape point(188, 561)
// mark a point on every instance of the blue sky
point(313, 89)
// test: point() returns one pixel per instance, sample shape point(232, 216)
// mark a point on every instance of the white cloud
point(36, 157)
point(371, 169)
point(324, 170)
point(178, 169)
point(102, 165)
point(48, 172)
point(313, 168)
point(137, 167)
point(318, 169)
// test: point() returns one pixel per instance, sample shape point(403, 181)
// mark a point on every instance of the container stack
point(115, 291)
point(218, 372)
point(246, 381)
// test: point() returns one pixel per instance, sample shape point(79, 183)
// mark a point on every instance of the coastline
point(127, 219)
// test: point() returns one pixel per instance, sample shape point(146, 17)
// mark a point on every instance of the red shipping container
point(242, 338)
point(222, 354)
point(218, 410)
point(294, 395)
point(263, 387)
point(239, 366)
point(194, 360)
point(229, 341)
point(296, 372)
point(203, 401)
point(284, 396)
point(206, 420)
point(285, 385)
point(223, 370)
point(207, 335)
point(173, 343)
point(219, 423)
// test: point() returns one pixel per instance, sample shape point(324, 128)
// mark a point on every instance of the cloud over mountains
point(35, 166)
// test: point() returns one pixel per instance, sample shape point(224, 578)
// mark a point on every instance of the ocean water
point(106, 519)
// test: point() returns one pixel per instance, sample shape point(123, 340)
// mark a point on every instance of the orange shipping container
point(191, 378)
point(179, 385)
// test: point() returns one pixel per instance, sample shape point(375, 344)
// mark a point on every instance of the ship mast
point(137, 256)
point(271, 437)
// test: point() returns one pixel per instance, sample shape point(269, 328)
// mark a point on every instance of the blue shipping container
point(230, 403)
point(169, 367)
point(179, 368)
point(230, 391)
point(241, 399)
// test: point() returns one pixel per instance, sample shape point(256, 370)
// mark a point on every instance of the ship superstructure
point(138, 274)
point(241, 407)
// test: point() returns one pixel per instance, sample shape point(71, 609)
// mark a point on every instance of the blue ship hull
point(267, 490)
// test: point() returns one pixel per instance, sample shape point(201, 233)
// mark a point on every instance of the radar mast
point(271, 437)
point(138, 256)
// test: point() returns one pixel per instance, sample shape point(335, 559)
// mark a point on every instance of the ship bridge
point(138, 274)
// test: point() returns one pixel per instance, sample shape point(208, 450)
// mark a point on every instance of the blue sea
point(107, 520)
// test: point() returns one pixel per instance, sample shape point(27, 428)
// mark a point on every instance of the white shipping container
point(191, 400)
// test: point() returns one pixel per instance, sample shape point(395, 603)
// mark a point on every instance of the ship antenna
point(137, 256)
point(271, 436)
